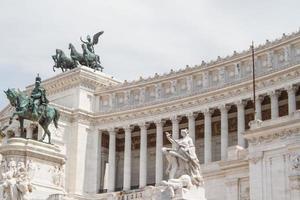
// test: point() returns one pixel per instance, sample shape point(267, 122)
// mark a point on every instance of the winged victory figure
point(89, 43)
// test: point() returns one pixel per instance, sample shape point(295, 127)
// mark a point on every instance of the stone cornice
point(225, 94)
point(223, 168)
point(190, 103)
point(220, 62)
point(78, 115)
point(233, 164)
point(270, 130)
point(81, 76)
point(260, 84)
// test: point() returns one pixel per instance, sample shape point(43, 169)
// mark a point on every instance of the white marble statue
point(58, 176)
point(16, 183)
point(182, 161)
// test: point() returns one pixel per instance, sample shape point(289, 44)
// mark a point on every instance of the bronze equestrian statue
point(34, 108)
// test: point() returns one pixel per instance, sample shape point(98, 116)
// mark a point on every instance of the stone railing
point(271, 64)
point(194, 92)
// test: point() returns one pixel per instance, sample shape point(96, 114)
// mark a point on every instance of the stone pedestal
point(44, 164)
point(167, 192)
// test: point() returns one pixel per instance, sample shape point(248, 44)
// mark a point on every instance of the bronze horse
point(23, 104)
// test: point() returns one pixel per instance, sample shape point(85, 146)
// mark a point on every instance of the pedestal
point(44, 164)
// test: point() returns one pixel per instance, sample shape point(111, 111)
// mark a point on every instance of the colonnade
point(191, 116)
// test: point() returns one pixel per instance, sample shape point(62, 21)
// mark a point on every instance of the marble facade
point(123, 124)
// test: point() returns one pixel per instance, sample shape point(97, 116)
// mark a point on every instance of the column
point(274, 104)
point(127, 159)
point(175, 128)
point(256, 172)
point(224, 130)
point(207, 136)
point(112, 160)
point(78, 157)
point(91, 161)
point(291, 90)
point(241, 122)
point(100, 176)
point(258, 102)
point(143, 156)
point(159, 154)
point(191, 117)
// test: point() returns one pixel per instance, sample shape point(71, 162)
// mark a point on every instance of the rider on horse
point(39, 99)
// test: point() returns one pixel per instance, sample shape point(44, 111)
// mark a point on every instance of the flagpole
point(253, 80)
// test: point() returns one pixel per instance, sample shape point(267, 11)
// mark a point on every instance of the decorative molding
point(270, 137)
point(194, 101)
point(295, 162)
point(255, 158)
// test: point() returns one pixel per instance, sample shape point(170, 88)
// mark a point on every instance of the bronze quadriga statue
point(87, 58)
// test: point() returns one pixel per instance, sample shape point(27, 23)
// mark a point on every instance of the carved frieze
point(295, 162)
point(58, 176)
point(270, 137)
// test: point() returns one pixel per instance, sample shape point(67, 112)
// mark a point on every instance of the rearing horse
point(62, 61)
point(91, 59)
point(23, 104)
point(76, 56)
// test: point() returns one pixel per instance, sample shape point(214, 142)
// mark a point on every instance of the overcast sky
point(140, 37)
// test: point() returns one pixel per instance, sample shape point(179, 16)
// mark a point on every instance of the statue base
point(44, 165)
point(153, 193)
point(192, 194)
point(167, 192)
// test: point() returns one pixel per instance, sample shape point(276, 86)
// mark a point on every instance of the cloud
point(141, 37)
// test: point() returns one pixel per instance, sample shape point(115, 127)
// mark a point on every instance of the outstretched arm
point(83, 41)
point(173, 141)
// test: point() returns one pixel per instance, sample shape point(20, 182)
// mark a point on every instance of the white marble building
point(123, 124)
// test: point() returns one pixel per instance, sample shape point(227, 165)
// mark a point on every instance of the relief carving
point(58, 176)
point(295, 162)
point(16, 179)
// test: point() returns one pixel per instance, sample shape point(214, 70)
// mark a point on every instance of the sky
point(140, 37)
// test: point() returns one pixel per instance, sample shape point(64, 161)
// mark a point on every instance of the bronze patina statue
point(62, 61)
point(39, 99)
point(87, 58)
point(33, 108)
point(89, 43)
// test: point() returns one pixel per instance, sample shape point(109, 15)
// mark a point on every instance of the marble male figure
point(182, 159)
